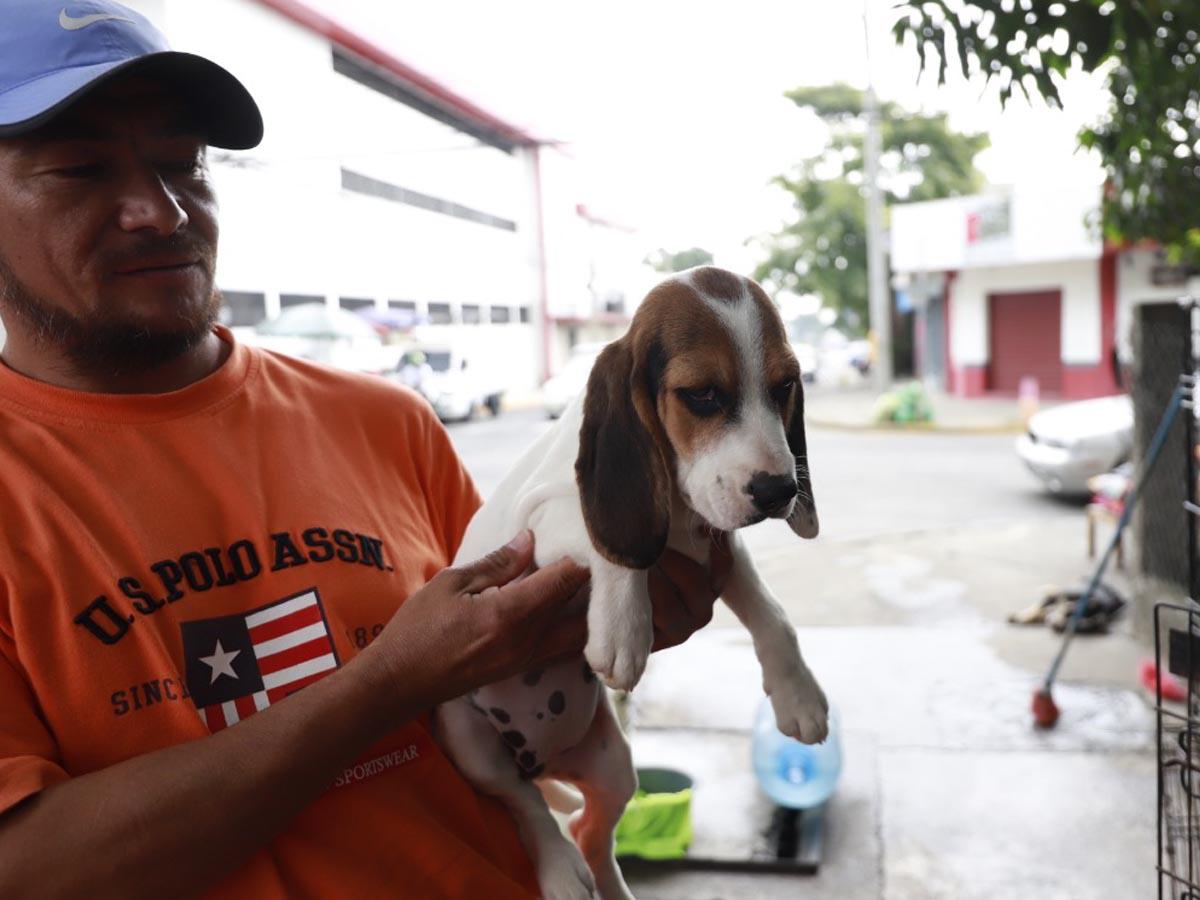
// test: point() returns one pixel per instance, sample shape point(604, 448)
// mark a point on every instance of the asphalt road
point(867, 484)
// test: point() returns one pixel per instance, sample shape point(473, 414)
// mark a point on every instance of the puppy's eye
point(782, 392)
point(704, 401)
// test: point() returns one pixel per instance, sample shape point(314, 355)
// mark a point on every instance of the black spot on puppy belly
point(501, 716)
point(534, 772)
point(527, 760)
point(558, 702)
point(513, 738)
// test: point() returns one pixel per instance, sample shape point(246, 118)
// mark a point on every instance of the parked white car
point(560, 389)
point(1067, 445)
point(806, 355)
point(453, 385)
point(324, 334)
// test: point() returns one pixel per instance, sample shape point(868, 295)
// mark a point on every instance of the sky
point(674, 110)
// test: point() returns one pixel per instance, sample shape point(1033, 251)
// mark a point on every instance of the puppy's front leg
point(801, 710)
point(620, 624)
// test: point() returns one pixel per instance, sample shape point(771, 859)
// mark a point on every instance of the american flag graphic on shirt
point(238, 665)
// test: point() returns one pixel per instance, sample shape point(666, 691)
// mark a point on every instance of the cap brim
point(223, 107)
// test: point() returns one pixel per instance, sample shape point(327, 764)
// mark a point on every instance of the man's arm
point(175, 822)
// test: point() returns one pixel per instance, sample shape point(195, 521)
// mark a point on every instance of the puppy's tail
point(560, 797)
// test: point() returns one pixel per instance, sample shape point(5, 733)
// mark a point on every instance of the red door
point(1025, 339)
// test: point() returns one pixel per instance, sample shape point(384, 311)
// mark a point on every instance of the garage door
point(1025, 340)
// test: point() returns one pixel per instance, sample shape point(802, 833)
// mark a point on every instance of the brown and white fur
point(691, 423)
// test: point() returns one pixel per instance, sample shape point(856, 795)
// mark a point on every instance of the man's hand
point(683, 592)
point(480, 623)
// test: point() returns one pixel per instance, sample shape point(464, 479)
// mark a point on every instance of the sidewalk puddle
point(903, 582)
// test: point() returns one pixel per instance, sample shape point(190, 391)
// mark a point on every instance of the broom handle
point(1156, 445)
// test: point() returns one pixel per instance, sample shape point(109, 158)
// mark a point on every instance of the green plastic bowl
point(657, 823)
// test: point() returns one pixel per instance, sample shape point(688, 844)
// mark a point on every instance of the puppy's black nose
point(771, 493)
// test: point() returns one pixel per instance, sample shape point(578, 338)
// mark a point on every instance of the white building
point(376, 186)
point(1018, 284)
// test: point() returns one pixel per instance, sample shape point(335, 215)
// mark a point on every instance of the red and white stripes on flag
point(291, 649)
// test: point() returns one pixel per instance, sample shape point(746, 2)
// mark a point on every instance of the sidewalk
point(854, 408)
point(948, 792)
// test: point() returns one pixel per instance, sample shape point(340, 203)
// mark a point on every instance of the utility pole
point(878, 300)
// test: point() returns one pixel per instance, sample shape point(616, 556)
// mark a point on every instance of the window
point(614, 302)
point(356, 303)
point(471, 314)
point(439, 360)
point(526, 314)
point(404, 313)
point(286, 300)
point(243, 308)
point(439, 314)
point(501, 314)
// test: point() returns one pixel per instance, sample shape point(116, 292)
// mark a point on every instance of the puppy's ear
point(623, 478)
point(804, 515)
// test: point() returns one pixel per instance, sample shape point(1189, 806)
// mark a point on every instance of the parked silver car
point(559, 390)
point(1067, 445)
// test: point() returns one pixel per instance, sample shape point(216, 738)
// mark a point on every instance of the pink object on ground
point(1172, 687)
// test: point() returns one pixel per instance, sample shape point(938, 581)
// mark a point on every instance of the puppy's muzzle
point(771, 494)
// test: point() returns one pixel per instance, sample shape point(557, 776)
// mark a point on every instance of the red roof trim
point(318, 22)
point(587, 215)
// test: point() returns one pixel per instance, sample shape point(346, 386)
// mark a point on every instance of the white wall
point(1134, 288)
point(1045, 225)
point(1078, 281)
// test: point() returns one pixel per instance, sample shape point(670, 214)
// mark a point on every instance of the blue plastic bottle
point(795, 775)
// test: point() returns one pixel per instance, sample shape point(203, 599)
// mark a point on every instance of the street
point(928, 541)
point(865, 483)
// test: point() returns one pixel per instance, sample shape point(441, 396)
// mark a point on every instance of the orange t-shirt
point(172, 563)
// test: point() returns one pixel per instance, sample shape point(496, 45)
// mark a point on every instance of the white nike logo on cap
point(71, 23)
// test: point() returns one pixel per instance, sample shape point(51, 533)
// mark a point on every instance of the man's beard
point(99, 345)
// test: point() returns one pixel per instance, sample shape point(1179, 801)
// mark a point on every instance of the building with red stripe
point(1017, 286)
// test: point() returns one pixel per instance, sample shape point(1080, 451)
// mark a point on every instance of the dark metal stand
point(1178, 724)
point(1178, 756)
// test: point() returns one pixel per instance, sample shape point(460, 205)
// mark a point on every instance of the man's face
point(108, 233)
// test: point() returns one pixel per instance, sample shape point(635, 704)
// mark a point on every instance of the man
point(224, 608)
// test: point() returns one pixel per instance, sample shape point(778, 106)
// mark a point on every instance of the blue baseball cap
point(52, 54)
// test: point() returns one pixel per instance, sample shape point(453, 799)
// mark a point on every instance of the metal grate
point(1177, 651)
point(1178, 753)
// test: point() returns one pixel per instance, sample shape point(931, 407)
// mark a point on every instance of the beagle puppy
point(692, 423)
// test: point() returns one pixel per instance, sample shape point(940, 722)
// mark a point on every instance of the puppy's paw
point(618, 663)
point(801, 710)
point(563, 875)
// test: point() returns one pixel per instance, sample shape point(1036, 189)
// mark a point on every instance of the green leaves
point(665, 261)
point(823, 249)
point(1150, 142)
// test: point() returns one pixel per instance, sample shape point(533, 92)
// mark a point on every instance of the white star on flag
point(221, 662)
point(267, 654)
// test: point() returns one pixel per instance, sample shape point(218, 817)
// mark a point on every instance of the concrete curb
point(915, 428)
